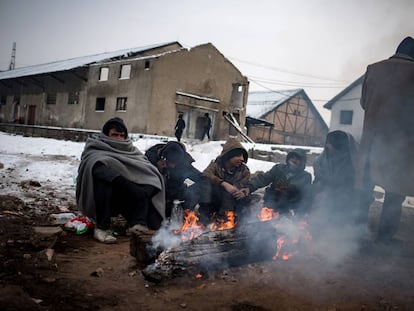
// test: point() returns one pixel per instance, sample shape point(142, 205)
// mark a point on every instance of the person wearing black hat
point(227, 175)
point(114, 178)
point(175, 164)
point(288, 184)
point(386, 152)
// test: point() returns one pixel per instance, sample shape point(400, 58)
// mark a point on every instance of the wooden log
point(250, 242)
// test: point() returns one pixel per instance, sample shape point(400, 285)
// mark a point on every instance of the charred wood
point(250, 242)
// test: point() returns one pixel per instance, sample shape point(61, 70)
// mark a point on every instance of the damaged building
point(148, 87)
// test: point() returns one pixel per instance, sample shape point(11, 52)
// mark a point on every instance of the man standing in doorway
point(206, 127)
point(179, 127)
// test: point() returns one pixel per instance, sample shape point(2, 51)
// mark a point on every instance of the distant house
point(346, 112)
point(147, 86)
point(284, 117)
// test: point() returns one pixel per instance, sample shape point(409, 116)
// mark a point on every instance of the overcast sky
point(318, 45)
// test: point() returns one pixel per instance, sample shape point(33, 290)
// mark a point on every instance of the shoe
point(138, 228)
point(104, 236)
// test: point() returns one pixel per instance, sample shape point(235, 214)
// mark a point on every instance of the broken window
point(346, 117)
point(100, 104)
point(121, 104)
point(125, 72)
point(103, 74)
point(51, 99)
point(147, 65)
point(73, 98)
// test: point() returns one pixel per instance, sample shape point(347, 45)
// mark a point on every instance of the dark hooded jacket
point(336, 171)
point(174, 178)
point(216, 173)
point(387, 142)
point(288, 187)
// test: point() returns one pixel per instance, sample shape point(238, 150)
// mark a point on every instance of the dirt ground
point(74, 272)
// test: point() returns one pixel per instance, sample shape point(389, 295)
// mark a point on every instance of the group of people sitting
point(114, 178)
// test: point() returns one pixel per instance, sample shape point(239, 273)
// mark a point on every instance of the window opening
point(51, 99)
point(104, 74)
point(346, 117)
point(100, 104)
point(125, 72)
point(121, 103)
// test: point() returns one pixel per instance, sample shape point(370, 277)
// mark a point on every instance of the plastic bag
point(79, 224)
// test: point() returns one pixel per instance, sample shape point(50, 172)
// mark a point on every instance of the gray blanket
point(123, 157)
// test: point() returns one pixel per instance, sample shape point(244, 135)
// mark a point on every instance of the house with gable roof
point(346, 112)
point(284, 117)
point(147, 86)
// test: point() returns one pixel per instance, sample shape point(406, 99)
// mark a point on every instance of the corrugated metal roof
point(260, 103)
point(73, 62)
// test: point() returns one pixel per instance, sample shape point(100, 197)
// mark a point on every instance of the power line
point(292, 83)
point(287, 71)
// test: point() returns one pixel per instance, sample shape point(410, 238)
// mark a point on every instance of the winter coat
point(336, 171)
point(174, 177)
point(387, 143)
point(287, 187)
point(122, 157)
point(216, 173)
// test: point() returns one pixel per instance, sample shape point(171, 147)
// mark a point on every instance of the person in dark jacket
point(288, 184)
point(334, 169)
point(114, 178)
point(386, 149)
point(206, 127)
point(179, 127)
point(227, 175)
point(175, 164)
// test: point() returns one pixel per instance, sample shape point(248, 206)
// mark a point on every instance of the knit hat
point(233, 153)
point(117, 124)
point(173, 152)
point(406, 47)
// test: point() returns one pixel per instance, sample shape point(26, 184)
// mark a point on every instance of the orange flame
point(190, 229)
point(282, 242)
point(230, 223)
point(267, 214)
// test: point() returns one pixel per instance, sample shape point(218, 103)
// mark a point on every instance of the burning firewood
point(250, 242)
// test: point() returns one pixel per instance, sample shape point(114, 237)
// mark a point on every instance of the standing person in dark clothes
point(334, 169)
point(387, 143)
point(175, 164)
point(227, 175)
point(114, 177)
point(206, 126)
point(289, 183)
point(179, 127)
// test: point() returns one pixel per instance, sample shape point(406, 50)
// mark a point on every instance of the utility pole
point(13, 57)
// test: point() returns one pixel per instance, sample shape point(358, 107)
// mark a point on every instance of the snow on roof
point(260, 103)
point(73, 62)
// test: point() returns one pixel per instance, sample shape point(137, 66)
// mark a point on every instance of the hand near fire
point(237, 194)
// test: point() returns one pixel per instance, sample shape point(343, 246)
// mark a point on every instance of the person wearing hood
point(387, 152)
point(114, 178)
point(288, 184)
point(334, 170)
point(175, 164)
point(227, 175)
